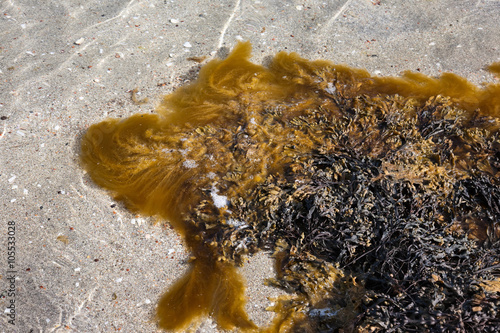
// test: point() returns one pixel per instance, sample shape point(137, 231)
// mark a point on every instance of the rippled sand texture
point(85, 262)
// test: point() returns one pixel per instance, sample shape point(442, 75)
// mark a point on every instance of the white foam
point(190, 164)
point(331, 88)
point(219, 200)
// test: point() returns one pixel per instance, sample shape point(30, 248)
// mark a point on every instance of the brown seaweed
point(378, 195)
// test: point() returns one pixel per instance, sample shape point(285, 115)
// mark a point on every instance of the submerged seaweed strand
point(337, 171)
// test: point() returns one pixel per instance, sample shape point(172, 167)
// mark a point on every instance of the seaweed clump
point(379, 196)
point(392, 234)
point(400, 240)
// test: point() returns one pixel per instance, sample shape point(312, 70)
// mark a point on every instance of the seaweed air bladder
point(242, 133)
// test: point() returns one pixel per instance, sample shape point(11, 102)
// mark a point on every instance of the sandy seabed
point(85, 263)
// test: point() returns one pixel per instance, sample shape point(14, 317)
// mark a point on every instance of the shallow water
point(241, 124)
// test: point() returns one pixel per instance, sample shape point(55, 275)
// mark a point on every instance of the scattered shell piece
point(135, 100)
point(79, 41)
point(63, 239)
point(139, 221)
point(197, 59)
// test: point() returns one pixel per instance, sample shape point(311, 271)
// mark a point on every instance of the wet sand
point(82, 262)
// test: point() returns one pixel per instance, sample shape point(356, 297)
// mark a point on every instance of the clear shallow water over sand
point(115, 265)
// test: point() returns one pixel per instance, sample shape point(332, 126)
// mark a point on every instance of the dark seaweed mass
point(420, 243)
point(396, 237)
